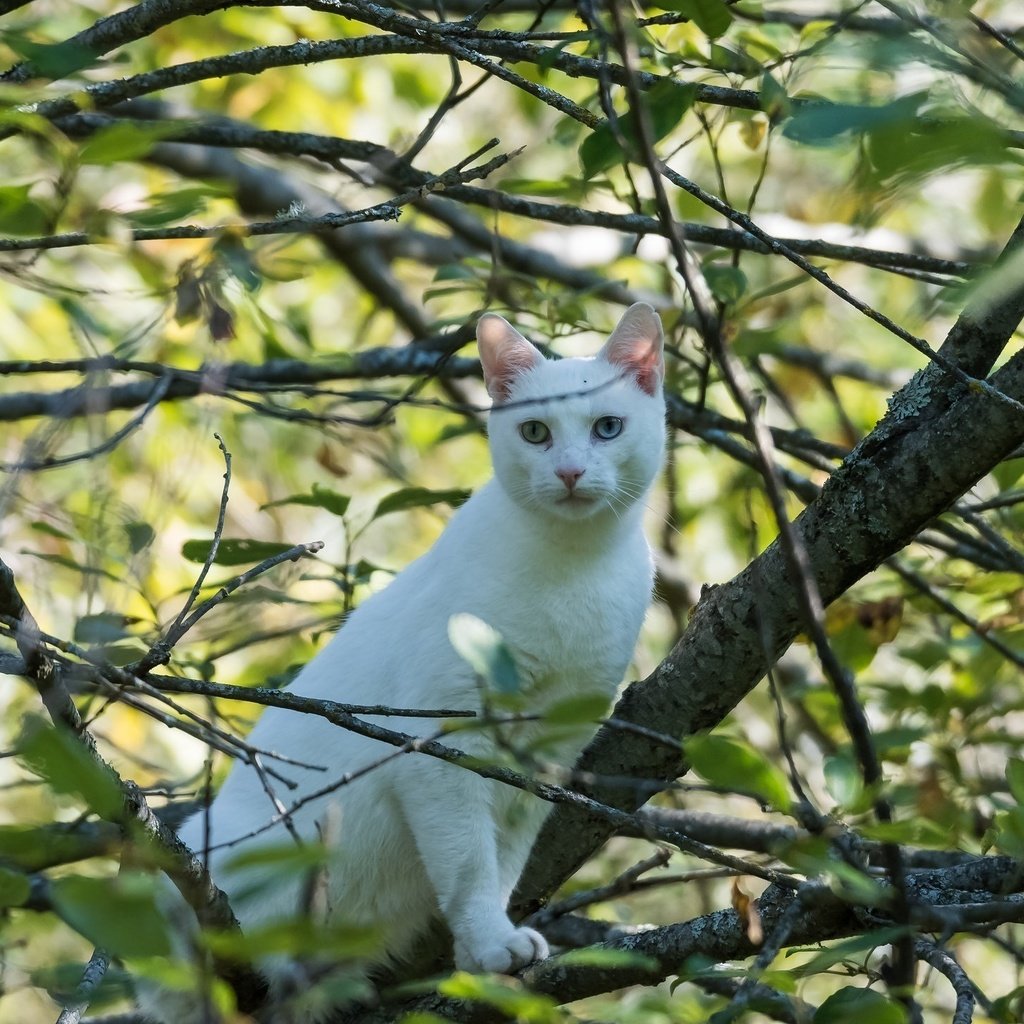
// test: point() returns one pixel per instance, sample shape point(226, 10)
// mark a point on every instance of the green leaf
point(62, 760)
point(567, 186)
point(34, 849)
point(728, 284)
point(140, 536)
point(61, 980)
point(119, 914)
point(815, 857)
point(900, 151)
point(168, 207)
point(458, 271)
point(179, 974)
point(233, 551)
point(504, 994)
point(319, 497)
point(120, 142)
point(20, 214)
point(101, 628)
point(1008, 1009)
point(857, 1005)
point(579, 709)
point(594, 956)
point(734, 765)
point(917, 831)
point(854, 886)
point(418, 497)
point(818, 123)
point(51, 60)
point(1009, 826)
point(233, 253)
point(482, 646)
point(1015, 777)
point(41, 526)
point(665, 104)
point(298, 937)
point(14, 888)
point(847, 949)
point(843, 780)
point(774, 101)
point(712, 17)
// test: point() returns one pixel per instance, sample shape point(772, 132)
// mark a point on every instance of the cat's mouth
point(576, 500)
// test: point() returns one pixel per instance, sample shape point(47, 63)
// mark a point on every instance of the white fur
point(562, 572)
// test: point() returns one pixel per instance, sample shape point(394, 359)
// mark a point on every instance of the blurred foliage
point(898, 132)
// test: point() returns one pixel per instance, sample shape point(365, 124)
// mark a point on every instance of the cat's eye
point(534, 431)
point(607, 427)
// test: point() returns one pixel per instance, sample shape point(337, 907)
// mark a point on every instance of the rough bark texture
point(936, 441)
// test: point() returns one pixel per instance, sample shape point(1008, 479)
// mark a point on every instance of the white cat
point(551, 554)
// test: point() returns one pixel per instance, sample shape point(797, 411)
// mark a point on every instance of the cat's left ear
point(504, 355)
point(638, 347)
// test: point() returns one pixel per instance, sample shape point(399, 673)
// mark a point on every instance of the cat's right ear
point(638, 347)
point(504, 355)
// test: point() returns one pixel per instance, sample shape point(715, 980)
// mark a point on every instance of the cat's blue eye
point(534, 432)
point(607, 427)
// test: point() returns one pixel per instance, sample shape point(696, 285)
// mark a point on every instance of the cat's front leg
point(450, 812)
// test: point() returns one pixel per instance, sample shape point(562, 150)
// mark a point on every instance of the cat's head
point(576, 438)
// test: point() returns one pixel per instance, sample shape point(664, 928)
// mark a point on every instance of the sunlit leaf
point(482, 646)
point(52, 60)
point(504, 994)
point(595, 956)
point(297, 937)
point(728, 284)
point(14, 887)
point(844, 780)
point(713, 17)
point(119, 914)
point(774, 101)
point(854, 948)
point(918, 831)
point(1015, 777)
point(168, 207)
point(33, 849)
point(119, 142)
point(20, 214)
point(857, 1005)
point(61, 759)
point(736, 766)
point(579, 709)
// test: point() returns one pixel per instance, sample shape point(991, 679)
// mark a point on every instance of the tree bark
point(937, 439)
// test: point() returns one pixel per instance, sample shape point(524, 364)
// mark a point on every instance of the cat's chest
point(575, 624)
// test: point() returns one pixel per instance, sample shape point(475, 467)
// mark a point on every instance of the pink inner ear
point(636, 345)
point(504, 354)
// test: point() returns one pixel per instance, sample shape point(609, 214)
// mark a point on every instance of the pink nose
point(569, 476)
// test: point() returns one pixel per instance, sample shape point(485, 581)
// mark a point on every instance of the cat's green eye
point(607, 427)
point(534, 431)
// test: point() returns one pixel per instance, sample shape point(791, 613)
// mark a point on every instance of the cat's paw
point(502, 953)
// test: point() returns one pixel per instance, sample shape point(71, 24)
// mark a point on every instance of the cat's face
point(576, 438)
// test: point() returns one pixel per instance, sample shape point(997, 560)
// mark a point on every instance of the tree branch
point(899, 478)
